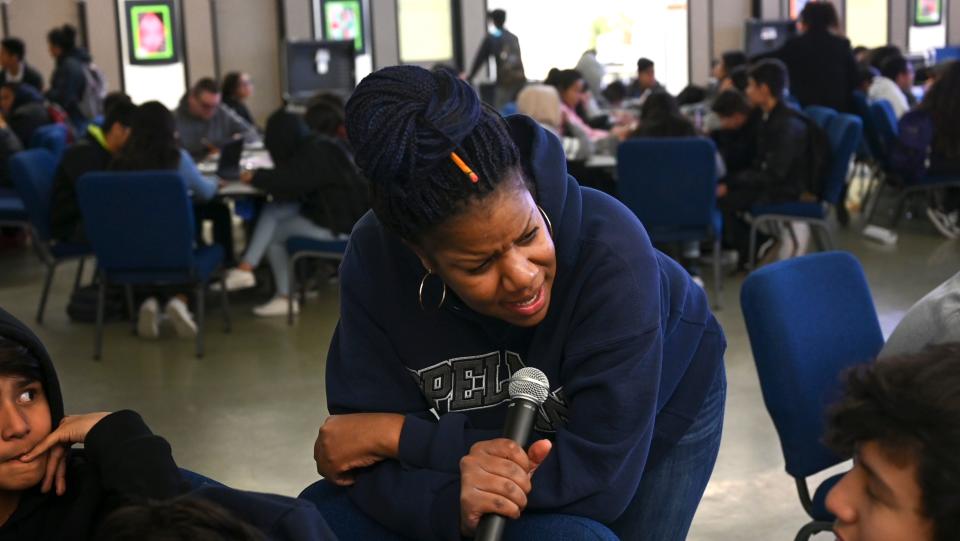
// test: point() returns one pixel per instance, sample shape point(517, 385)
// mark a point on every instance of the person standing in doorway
point(504, 46)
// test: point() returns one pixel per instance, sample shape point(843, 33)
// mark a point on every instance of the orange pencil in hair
point(464, 167)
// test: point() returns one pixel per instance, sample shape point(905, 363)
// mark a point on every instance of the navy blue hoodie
point(629, 346)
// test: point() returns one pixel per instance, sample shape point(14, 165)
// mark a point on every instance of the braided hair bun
point(403, 123)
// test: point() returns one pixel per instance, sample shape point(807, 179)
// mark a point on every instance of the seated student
point(737, 79)
point(728, 61)
point(542, 103)
point(899, 419)
point(646, 82)
point(9, 145)
point(23, 109)
point(46, 490)
point(570, 86)
point(15, 68)
point(50, 491)
point(660, 117)
point(236, 90)
point(862, 55)
point(893, 84)
point(735, 133)
point(929, 145)
point(152, 145)
point(93, 152)
point(317, 192)
point(205, 125)
point(485, 265)
point(780, 169)
point(934, 319)
point(615, 93)
point(865, 77)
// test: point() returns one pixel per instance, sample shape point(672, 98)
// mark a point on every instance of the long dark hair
point(153, 140)
point(231, 82)
point(944, 108)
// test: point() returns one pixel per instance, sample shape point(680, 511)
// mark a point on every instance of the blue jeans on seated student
point(662, 509)
point(277, 223)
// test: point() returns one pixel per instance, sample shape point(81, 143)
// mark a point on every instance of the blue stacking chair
point(299, 248)
point(509, 108)
point(671, 185)
point(844, 132)
point(808, 319)
point(943, 54)
point(12, 211)
point(52, 137)
point(820, 115)
point(32, 172)
point(141, 227)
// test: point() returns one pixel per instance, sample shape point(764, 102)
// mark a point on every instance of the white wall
point(31, 20)
point(249, 41)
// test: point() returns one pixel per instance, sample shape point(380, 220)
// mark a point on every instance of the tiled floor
point(247, 414)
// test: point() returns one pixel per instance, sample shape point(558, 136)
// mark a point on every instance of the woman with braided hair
point(482, 256)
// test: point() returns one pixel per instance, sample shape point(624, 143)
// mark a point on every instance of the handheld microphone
point(528, 390)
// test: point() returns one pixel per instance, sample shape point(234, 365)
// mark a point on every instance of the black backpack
point(509, 64)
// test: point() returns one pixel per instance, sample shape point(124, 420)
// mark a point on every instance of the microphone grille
point(531, 384)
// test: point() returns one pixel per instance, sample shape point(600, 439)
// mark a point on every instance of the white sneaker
point(148, 319)
point(236, 279)
point(181, 318)
point(276, 307)
point(945, 224)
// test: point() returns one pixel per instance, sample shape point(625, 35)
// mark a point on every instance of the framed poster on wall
point(343, 21)
point(927, 12)
point(153, 32)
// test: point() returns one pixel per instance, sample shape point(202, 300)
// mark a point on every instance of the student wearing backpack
point(782, 169)
point(504, 46)
point(75, 84)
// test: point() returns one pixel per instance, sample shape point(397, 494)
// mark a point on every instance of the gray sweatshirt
point(935, 319)
point(196, 133)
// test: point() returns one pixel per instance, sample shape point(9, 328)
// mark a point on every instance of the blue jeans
point(661, 510)
point(277, 223)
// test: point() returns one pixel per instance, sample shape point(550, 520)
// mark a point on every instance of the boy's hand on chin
point(73, 429)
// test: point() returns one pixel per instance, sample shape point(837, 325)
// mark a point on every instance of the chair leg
point(225, 304)
point(101, 300)
point(51, 269)
point(292, 284)
point(752, 256)
point(79, 277)
point(717, 278)
point(128, 295)
point(874, 201)
point(201, 312)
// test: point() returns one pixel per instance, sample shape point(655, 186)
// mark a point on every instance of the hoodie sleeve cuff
point(415, 438)
point(112, 429)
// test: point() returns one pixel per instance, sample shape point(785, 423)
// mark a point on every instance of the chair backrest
point(844, 132)
point(821, 115)
point(32, 173)
point(943, 54)
point(871, 137)
point(138, 220)
point(809, 318)
point(52, 137)
point(886, 122)
point(669, 183)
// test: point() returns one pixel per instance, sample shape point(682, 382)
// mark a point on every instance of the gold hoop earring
point(546, 219)
point(423, 283)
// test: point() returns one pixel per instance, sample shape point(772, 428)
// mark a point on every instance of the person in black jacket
point(69, 80)
point(317, 192)
point(821, 64)
point(15, 70)
point(780, 166)
point(50, 491)
point(93, 152)
point(24, 110)
point(504, 47)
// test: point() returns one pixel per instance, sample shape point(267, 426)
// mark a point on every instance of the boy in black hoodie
point(48, 491)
